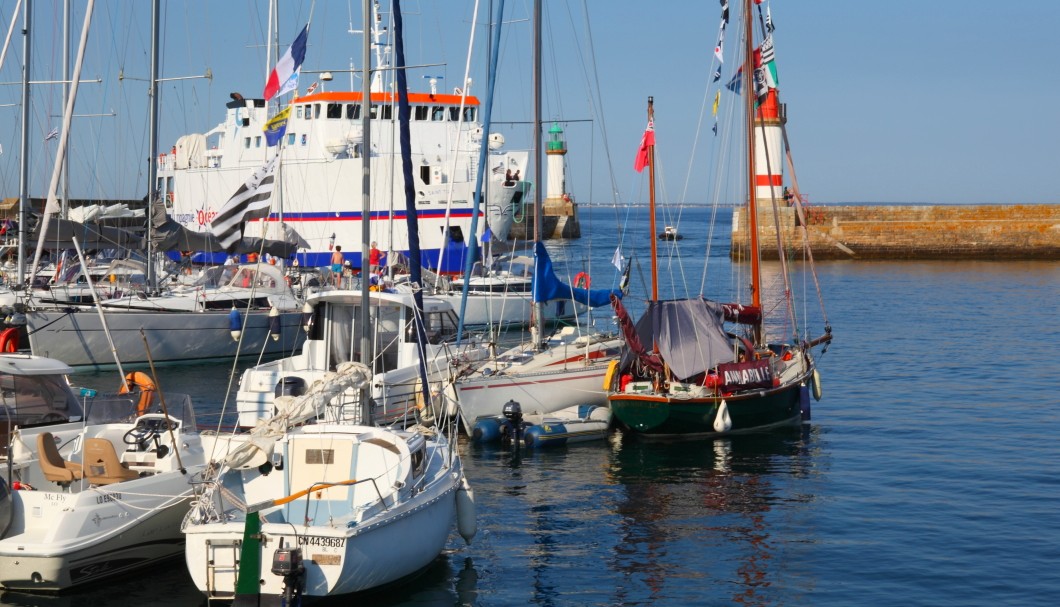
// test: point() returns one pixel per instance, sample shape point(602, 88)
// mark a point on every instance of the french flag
point(284, 76)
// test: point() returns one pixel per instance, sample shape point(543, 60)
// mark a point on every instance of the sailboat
point(343, 507)
point(548, 373)
point(683, 371)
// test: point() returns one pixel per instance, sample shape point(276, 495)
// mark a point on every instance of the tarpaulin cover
point(548, 286)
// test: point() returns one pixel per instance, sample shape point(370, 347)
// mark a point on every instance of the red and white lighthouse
point(769, 157)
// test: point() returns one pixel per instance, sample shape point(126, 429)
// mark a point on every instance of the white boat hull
point(78, 339)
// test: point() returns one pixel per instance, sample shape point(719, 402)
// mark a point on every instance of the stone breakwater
point(942, 232)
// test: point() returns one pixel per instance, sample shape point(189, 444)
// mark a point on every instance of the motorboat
point(93, 486)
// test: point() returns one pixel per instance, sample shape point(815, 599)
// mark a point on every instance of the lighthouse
point(559, 211)
point(769, 157)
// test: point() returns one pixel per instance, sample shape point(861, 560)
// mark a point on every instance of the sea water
point(928, 474)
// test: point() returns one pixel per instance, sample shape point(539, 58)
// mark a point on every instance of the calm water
point(928, 475)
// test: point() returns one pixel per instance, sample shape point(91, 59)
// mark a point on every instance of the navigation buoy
point(815, 385)
point(722, 421)
point(235, 323)
point(274, 324)
point(465, 511)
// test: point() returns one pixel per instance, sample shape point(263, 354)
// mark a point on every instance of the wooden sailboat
point(684, 371)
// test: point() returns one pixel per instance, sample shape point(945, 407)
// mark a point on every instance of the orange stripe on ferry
point(417, 98)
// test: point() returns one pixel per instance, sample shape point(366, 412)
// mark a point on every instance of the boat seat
point(102, 466)
point(54, 467)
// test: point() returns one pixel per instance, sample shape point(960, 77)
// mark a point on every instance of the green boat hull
point(662, 415)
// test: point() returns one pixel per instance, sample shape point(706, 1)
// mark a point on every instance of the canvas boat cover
point(688, 333)
point(547, 286)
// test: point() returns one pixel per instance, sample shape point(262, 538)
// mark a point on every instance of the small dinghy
point(571, 425)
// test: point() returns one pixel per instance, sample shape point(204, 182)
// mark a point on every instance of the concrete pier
point(939, 232)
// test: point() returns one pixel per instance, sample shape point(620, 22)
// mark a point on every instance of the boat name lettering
point(205, 217)
point(747, 376)
point(184, 217)
point(108, 497)
point(55, 497)
point(319, 540)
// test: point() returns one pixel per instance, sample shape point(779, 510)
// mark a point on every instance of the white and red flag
point(646, 142)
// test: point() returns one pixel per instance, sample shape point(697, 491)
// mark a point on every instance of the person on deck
point(336, 265)
point(374, 257)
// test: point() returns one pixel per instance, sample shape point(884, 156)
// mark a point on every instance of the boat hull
point(78, 339)
point(659, 415)
point(116, 537)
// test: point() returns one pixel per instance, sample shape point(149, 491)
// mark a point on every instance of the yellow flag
point(717, 98)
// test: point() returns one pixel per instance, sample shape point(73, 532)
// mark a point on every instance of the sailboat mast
point(752, 203)
point(538, 307)
point(367, 356)
point(23, 181)
point(152, 165)
point(651, 207)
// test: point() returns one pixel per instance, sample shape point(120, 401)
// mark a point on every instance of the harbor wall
point(559, 220)
point(943, 232)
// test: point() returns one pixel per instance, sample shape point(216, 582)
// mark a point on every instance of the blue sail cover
point(548, 286)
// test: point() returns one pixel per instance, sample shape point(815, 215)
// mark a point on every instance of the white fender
point(815, 385)
point(722, 421)
point(466, 522)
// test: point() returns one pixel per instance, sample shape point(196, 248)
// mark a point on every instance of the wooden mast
point(651, 205)
point(752, 203)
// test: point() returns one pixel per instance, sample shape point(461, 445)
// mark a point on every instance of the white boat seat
point(52, 464)
point(102, 466)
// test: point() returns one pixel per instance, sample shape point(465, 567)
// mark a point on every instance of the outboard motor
point(287, 562)
point(512, 426)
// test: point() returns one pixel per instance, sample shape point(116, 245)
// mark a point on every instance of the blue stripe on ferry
point(375, 215)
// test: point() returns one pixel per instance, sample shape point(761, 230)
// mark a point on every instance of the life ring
point(815, 385)
point(9, 340)
point(581, 278)
point(145, 384)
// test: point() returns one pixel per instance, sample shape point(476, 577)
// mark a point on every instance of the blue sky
point(900, 101)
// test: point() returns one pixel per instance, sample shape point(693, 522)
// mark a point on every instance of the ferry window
point(334, 111)
point(437, 113)
point(257, 141)
point(290, 138)
point(423, 202)
point(246, 142)
point(353, 111)
point(420, 112)
point(373, 111)
point(388, 112)
point(303, 138)
point(298, 112)
point(316, 110)
point(456, 234)
point(425, 174)
point(454, 114)
point(469, 114)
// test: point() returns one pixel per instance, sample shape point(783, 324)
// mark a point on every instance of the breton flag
point(276, 127)
point(769, 62)
point(725, 11)
point(251, 201)
point(284, 77)
point(769, 21)
point(647, 141)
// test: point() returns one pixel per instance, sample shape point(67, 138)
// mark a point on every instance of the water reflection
point(697, 515)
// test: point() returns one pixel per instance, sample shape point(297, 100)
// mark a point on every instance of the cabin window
point(420, 112)
point(298, 112)
point(373, 111)
point(320, 456)
point(456, 234)
point(419, 461)
point(316, 110)
point(334, 111)
point(303, 138)
point(437, 113)
point(423, 202)
point(246, 142)
point(257, 141)
point(454, 114)
point(388, 112)
point(291, 138)
point(425, 174)
point(353, 111)
point(469, 114)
